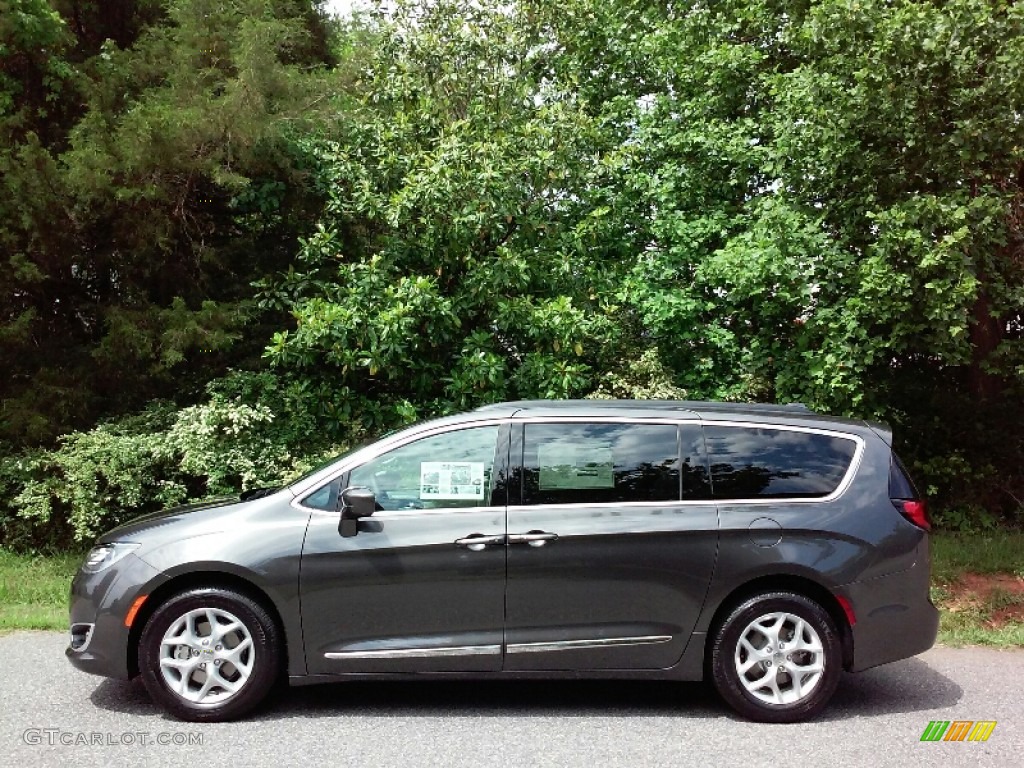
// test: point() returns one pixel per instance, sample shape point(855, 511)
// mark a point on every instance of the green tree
point(131, 232)
point(445, 204)
point(836, 195)
point(836, 192)
point(459, 260)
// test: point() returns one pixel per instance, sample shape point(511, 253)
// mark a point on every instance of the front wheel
point(209, 654)
point(776, 658)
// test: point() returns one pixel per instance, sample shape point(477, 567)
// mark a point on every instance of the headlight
point(105, 555)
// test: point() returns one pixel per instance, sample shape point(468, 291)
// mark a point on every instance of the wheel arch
point(195, 580)
point(800, 585)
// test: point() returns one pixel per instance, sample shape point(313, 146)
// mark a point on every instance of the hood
point(150, 522)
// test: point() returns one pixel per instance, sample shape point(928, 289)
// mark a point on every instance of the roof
point(590, 406)
point(682, 409)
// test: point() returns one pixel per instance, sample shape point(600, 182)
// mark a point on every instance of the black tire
point(725, 648)
point(265, 658)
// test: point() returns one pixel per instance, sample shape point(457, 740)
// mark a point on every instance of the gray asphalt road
point(51, 714)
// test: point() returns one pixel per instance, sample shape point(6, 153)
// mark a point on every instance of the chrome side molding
point(417, 653)
point(570, 645)
point(492, 650)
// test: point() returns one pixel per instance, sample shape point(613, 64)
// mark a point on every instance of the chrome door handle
point(533, 538)
point(477, 541)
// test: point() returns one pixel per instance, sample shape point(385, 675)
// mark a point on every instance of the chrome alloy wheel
point(206, 656)
point(779, 658)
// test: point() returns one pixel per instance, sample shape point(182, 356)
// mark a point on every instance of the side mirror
point(354, 503)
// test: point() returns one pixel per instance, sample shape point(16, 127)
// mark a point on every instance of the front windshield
point(325, 464)
point(358, 447)
point(344, 454)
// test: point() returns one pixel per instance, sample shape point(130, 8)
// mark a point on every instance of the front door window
point(453, 469)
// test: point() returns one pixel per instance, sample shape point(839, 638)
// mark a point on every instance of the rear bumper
point(895, 616)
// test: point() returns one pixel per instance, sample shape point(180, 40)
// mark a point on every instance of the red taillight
point(915, 511)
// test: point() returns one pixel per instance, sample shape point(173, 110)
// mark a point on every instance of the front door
point(611, 544)
point(421, 585)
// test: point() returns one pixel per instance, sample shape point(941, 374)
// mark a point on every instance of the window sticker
point(452, 480)
point(567, 466)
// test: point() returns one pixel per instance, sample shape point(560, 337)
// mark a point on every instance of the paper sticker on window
point(565, 466)
point(445, 480)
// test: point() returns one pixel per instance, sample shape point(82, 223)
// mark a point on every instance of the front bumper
point(99, 604)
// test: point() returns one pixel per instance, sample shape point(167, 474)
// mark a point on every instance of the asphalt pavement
point(52, 714)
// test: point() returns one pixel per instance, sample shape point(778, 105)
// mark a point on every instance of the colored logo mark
point(958, 730)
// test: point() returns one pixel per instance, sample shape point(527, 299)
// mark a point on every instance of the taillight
point(905, 497)
point(915, 510)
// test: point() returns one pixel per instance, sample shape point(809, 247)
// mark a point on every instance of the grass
point(971, 579)
point(999, 552)
point(970, 626)
point(34, 589)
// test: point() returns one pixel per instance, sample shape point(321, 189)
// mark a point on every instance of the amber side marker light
point(130, 617)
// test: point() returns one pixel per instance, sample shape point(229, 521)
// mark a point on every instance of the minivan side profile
point(765, 548)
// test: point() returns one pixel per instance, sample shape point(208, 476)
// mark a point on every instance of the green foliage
point(133, 220)
point(966, 455)
point(235, 441)
point(836, 205)
point(645, 378)
point(455, 264)
point(35, 74)
point(96, 479)
point(439, 204)
point(811, 202)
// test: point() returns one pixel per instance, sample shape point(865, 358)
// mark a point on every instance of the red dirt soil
point(974, 590)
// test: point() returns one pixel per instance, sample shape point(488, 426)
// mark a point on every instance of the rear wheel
point(777, 658)
point(209, 654)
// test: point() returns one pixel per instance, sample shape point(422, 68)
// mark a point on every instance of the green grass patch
point(34, 590)
point(956, 553)
point(972, 576)
point(969, 626)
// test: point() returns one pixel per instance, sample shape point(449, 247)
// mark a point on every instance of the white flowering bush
point(248, 433)
point(93, 479)
point(231, 443)
point(642, 378)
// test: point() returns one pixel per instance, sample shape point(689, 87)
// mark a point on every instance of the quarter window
point(453, 469)
point(325, 497)
point(900, 484)
point(766, 463)
point(596, 463)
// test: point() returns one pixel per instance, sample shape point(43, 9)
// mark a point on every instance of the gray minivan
point(764, 547)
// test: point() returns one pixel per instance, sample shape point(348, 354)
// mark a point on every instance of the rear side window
point(597, 463)
point(751, 463)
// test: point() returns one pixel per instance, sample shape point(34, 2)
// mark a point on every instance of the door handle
point(477, 541)
point(533, 538)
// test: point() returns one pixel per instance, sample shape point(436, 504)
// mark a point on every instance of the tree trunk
point(986, 333)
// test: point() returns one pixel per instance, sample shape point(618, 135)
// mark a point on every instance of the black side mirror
point(354, 503)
